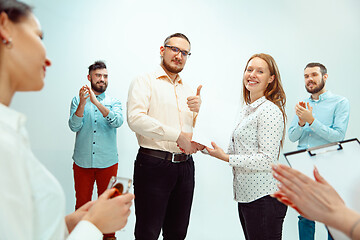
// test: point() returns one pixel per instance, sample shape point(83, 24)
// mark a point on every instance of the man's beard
point(99, 89)
point(170, 68)
point(316, 89)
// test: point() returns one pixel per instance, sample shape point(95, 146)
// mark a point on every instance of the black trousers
point(163, 197)
point(262, 219)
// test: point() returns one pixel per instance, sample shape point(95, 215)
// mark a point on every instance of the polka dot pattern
point(254, 146)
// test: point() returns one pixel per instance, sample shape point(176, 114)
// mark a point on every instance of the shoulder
point(270, 107)
point(336, 97)
point(10, 145)
point(143, 80)
point(75, 99)
point(112, 99)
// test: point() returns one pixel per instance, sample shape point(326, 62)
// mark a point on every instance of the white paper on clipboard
point(339, 164)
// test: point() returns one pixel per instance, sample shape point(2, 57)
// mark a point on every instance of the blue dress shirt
point(331, 113)
point(95, 144)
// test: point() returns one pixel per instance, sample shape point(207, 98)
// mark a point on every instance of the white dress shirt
point(157, 110)
point(32, 202)
point(254, 146)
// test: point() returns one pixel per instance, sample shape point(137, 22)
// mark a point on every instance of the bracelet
point(353, 228)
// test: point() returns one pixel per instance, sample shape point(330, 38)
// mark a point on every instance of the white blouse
point(254, 146)
point(32, 202)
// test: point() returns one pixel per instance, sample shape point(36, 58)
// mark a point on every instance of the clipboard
point(339, 164)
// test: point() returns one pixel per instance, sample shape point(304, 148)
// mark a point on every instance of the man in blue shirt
point(94, 116)
point(322, 118)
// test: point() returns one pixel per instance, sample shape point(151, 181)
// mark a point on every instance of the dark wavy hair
point(15, 10)
point(323, 69)
point(274, 91)
point(97, 65)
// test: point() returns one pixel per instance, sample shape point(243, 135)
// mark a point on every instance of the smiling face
point(171, 61)
point(257, 77)
point(99, 80)
point(26, 57)
point(314, 80)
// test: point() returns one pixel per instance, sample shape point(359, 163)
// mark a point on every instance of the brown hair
point(178, 35)
point(274, 91)
point(15, 10)
point(323, 69)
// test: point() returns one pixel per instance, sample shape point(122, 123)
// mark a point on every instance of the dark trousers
point(163, 197)
point(262, 219)
point(84, 179)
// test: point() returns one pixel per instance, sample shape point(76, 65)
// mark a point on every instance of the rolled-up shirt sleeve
point(75, 122)
point(115, 117)
point(335, 132)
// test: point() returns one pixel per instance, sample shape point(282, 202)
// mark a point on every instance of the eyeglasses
point(177, 50)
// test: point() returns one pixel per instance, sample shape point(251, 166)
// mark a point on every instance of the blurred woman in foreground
point(32, 201)
point(297, 190)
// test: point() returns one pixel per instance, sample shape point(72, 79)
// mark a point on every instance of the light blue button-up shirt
point(95, 144)
point(331, 113)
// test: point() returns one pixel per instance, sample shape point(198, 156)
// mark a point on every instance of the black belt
point(173, 157)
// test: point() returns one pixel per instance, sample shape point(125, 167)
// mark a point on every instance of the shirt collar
point(161, 74)
point(322, 97)
point(11, 118)
point(258, 102)
point(101, 96)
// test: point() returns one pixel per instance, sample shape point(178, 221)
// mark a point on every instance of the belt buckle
point(173, 157)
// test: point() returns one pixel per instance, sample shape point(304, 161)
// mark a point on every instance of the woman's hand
point(217, 152)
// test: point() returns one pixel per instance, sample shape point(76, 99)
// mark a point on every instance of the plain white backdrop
point(127, 34)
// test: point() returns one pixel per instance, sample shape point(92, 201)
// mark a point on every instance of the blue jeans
point(307, 229)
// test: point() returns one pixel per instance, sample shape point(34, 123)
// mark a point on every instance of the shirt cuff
point(315, 125)
point(171, 134)
point(233, 161)
point(76, 120)
point(85, 230)
point(110, 116)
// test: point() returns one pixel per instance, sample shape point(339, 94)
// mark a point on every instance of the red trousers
point(84, 179)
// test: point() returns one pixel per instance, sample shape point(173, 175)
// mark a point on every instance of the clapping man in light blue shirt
point(94, 116)
point(322, 118)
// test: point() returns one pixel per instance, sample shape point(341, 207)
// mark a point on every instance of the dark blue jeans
point(262, 219)
point(163, 197)
point(307, 229)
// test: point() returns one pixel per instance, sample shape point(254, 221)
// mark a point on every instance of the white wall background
point(127, 34)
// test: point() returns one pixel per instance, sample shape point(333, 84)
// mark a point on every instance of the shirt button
point(95, 110)
point(94, 131)
point(95, 120)
point(93, 152)
point(93, 142)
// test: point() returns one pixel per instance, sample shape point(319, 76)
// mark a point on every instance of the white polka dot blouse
point(254, 146)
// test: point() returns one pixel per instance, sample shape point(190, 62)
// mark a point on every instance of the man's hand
point(92, 95)
point(194, 102)
point(186, 145)
point(83, 95)
point(304, 114)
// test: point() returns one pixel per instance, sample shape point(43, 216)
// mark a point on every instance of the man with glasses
point(94, 116)
point(162, 110)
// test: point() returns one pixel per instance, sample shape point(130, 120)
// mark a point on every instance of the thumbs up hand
point(194, 102)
